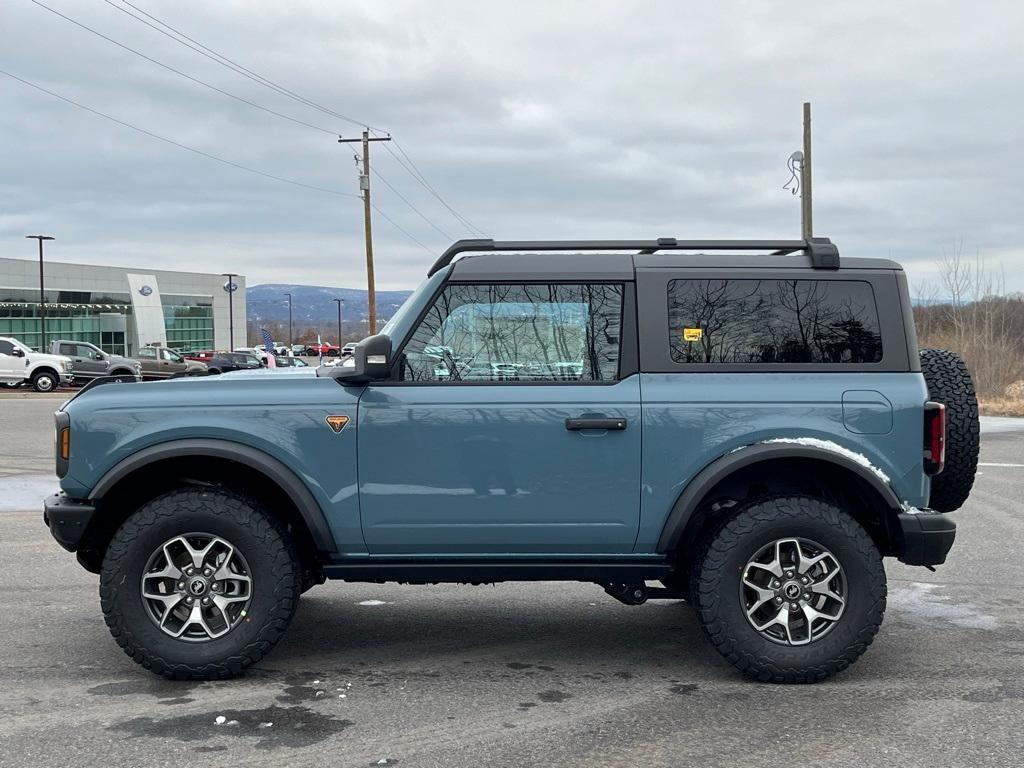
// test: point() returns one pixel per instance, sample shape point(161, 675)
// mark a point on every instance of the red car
point(325, 349)
point(203, 356)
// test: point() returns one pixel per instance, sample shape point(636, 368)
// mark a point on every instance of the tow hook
point(630, 594)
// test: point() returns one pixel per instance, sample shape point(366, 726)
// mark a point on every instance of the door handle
point(574, 425)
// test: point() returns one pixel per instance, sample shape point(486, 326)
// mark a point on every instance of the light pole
point(42, 293)
point(230, 287)
point(289, 320)
point(339, 302)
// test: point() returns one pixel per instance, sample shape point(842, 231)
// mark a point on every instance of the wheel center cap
point(197, 586)
point(792, 590)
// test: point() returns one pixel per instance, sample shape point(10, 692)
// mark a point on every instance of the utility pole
point(230, 287)
point(289, 320)
point(339, 302)
point(42, 292)
point(364, 185)
point(806, 218)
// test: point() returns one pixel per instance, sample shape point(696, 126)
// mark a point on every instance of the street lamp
point(42, 294)
point(230, 287)
point(339, 302)
point(289, 320)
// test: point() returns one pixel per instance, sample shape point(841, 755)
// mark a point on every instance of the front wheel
point(199, 584)
point(790, 590)
point(45, 381)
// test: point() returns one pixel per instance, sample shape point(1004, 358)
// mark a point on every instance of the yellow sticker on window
point(693, 334)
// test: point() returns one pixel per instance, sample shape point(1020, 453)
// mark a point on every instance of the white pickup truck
point(20, 365)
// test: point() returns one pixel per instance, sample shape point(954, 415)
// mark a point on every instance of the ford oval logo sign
point(146, 290)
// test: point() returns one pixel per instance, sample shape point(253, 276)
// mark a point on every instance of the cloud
point(532, 119)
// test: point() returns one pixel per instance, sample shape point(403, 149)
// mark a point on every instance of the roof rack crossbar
point(823, 253)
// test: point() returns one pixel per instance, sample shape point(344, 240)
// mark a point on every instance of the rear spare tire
point(949, 382)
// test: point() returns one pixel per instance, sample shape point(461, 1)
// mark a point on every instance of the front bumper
point(67, 378)
point(927, 537)
point(67, 519)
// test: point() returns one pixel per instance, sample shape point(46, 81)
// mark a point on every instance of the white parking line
point(997, 464)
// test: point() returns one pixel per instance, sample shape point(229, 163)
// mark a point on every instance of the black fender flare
point(723, 466)
point(254, 458)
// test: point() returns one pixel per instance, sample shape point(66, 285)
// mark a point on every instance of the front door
point(12, 368)
point(508, 428)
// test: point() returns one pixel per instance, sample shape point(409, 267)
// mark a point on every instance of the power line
point(402, 197)
point(182, 39)
point(415, 172)
point(193, 44)
point(177, 144)
point(400, 229)
point(183, 74)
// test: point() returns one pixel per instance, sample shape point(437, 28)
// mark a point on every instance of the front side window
point(6, 348)
point(773, 321)
point(518, 332)
point(171, 356)
point(148, 353)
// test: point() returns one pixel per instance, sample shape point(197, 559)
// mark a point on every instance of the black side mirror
point(98, 356)
point(370, 361)
point(18, 352)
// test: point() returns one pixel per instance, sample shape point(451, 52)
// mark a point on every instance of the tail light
point(934, 438)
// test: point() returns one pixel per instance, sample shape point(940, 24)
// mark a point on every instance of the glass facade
point(102, 319)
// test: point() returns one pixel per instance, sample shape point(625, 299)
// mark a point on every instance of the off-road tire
point(949, 382)
point(275, 570)
point(45, 381)
point(725, 554)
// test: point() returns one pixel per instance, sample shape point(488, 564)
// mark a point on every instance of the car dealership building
point(119, 309)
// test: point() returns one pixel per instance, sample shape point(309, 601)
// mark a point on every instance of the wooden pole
point(806, 216)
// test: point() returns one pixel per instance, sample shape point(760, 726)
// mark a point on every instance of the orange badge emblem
point(337, 423)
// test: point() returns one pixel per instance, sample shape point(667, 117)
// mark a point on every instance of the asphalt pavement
point(515, 674)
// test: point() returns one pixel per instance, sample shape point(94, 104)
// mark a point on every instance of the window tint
point(67, 349)
point(518, 333)
point(773, 321)
point(6, 348)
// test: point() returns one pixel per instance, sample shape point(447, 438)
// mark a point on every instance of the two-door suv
point(751, 431)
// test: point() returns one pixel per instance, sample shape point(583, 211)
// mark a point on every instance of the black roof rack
point(824, 255)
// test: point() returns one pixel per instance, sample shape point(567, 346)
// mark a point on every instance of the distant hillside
point(312, 306)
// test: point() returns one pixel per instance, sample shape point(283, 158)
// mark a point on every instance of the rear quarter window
point(773, 321)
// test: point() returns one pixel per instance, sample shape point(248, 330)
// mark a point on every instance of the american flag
point(268, 344)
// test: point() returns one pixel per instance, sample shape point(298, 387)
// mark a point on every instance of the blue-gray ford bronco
point(746, 426)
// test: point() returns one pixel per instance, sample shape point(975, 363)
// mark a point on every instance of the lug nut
point(776, 584)
point(215, 587)
point(807, 595)
point(789, 574)
point(778, 600)
point(189, 600)
point(792, 606)
point(181, 585)
point(207, 571)
point(804, 579)
point(206, 601)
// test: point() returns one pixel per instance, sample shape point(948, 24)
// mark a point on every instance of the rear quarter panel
point(691, 419)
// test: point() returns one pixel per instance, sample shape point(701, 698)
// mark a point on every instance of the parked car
point(199, 355)
point(323, 349)
point(298, 349)
point(755, 432)
point(165, 363)
point(20, 365)
point(348, 349)
point(291, 362)
point(226, 362)
point(89, 362)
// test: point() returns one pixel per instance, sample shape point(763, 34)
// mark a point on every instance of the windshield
point(20, 346)
point(402, 311)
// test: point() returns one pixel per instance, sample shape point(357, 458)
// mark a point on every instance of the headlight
point(67, 365)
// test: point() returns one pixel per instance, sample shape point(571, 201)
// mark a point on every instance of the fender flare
point(254, 458)
point(723, 466)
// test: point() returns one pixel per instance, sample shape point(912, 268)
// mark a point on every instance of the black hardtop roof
point(618, 259)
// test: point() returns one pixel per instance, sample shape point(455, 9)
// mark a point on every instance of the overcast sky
point(532, 120)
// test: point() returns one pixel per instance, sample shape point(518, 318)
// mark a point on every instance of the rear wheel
point(790, 590)
point(949, 382)
point(199, 584)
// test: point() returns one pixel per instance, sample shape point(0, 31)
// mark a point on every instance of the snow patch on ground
point(921, 602)
point(828, 445)
point(25, 493)
point(373, 602)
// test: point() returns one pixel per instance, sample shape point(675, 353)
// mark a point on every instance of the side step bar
point(486, 572)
